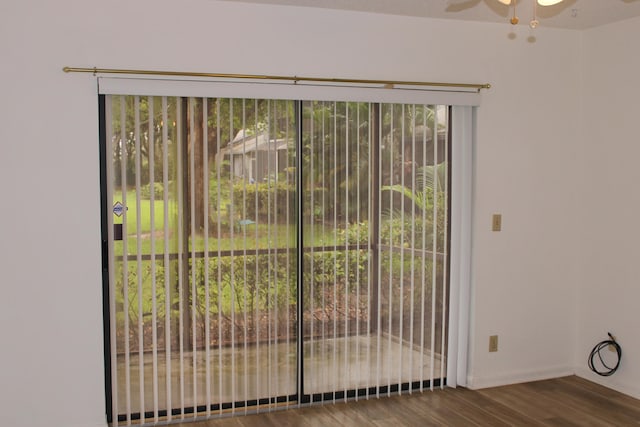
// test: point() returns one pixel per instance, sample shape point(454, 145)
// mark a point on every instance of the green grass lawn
point(131, 213)
point(235, 237)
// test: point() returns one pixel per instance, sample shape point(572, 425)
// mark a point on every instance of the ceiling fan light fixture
point(547, 2)
point(534, 21)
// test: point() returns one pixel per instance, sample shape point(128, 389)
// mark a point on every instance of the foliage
point(264, 202)
point(411, 221)
point(141, 137)
point(153, 294)
point(158, 191)
point(335, 158)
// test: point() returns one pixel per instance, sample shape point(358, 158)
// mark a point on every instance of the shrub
point(158, 191)
point(272, 200)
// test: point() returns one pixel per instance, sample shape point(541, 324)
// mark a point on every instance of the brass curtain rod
point(295, 79)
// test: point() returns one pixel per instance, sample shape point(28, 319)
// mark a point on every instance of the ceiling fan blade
point(460, 5)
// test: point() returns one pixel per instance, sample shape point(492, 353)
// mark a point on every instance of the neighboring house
point(255, 157)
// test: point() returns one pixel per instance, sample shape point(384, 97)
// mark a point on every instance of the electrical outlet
point(493, 343)
point(496, 222)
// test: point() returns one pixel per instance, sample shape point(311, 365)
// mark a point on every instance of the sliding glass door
point(264, 252)
point(375, 241)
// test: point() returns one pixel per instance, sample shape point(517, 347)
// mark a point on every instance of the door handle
point(117, 232)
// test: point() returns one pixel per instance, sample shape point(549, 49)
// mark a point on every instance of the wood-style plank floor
point(569, 401)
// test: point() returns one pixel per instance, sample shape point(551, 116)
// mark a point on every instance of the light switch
point(493, 343)
point(496, 222)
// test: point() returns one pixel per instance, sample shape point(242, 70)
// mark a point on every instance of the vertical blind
point(266, 253)
point(375, 236)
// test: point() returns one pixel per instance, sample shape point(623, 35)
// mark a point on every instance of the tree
point(197, 168)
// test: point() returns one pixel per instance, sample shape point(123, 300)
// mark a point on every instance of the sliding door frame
point(301, 397)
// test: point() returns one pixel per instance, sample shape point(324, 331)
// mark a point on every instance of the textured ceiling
point(570, 14)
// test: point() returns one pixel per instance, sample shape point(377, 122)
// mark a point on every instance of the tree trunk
point(196, 167)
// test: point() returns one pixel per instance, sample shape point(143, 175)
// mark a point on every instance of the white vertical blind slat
point(244, 249)
point(390, 361)
point(413, 244)
point(274, 172)
point(369, 269)
point(257, 313)
point(445, 251)
point(358, 208)
point(140, 326)
point(192, 238)
point(181, 254)
point(232, 284)
point(434, 248)
point(345, 343)
point(424, 258)
point(325, 132)
point(110, 249)
point(152, 226)
point(270, 269)
point(288, 260)
point(125, 251)
point(207, 290)
point(336, 381)
point(402, 238)
point(219, 260)
point(167, 265)
point(379, 266)
point(314, 372)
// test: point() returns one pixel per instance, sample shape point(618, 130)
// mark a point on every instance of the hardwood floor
point(569, 401)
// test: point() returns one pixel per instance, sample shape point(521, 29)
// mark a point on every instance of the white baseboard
point(612, 382)
point(475, 382)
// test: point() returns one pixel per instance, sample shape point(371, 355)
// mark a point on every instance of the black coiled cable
point(596, 352)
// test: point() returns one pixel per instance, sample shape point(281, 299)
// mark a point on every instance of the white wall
point(50, 311)
point(610, 289)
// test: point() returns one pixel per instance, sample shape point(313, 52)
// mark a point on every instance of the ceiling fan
point(514, 18)
point(534, 21)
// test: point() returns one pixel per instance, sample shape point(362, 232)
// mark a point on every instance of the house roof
point(244, 143)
